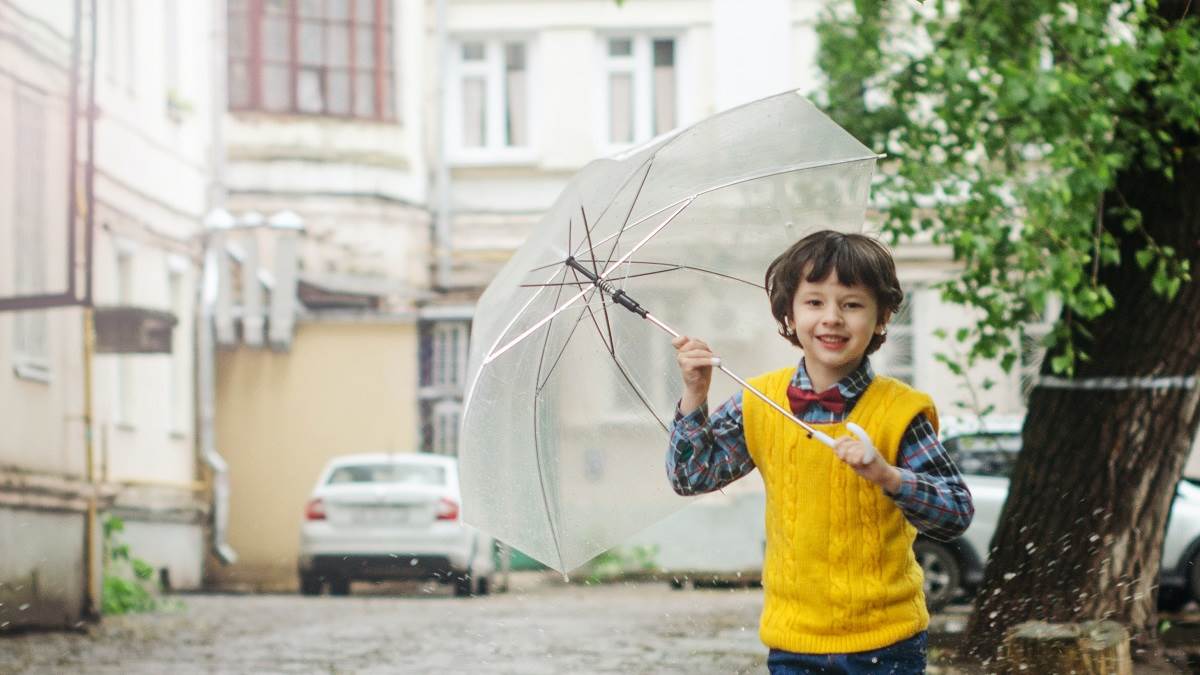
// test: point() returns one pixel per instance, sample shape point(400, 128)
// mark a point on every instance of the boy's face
point(834, 324)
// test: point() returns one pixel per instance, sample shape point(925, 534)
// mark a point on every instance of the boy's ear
point(881, 327)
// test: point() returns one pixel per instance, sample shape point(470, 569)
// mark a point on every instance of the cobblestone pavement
point(541, 626)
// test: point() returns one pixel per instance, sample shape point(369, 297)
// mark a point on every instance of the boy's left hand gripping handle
point(870, 453)
point(868, 456)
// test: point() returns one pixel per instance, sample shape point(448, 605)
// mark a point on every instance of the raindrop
point(412, 563)
point(874, 659)
point(993, 615)
point(24, 607)
point(1009, 576)
point(1094, 537)
point(4, 625)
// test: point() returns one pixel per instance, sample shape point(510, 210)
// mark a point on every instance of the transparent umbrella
point(570, 395)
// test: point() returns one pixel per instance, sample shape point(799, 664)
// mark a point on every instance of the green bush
point(129, 584)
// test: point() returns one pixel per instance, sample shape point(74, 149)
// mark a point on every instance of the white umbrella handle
point(871, 453)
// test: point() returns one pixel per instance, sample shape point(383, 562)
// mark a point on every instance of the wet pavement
point(542, 626)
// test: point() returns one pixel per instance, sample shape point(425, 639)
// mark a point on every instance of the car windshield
point(984, 454)
point(411, 474)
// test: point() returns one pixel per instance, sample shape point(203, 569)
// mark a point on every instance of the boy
point(843, 590)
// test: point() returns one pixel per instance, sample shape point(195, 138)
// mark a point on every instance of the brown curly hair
point(856, 258)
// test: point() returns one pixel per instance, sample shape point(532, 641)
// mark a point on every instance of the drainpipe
point(441, 232)
point(217, 220)
point(215, 224)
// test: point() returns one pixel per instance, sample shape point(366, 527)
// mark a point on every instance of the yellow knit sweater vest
point(840, 575)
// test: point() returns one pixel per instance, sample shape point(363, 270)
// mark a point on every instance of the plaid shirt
point(708, 453)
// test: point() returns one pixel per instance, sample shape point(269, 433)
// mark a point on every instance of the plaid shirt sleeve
point(708, 453)
point(932, 493)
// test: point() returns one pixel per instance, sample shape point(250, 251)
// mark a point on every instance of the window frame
point(640, 63)
point(448, 351)
point(492, 68)
point(386, 106)
point(445, 419)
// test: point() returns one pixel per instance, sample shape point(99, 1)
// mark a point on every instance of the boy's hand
point(851, 451)
point(696, 362)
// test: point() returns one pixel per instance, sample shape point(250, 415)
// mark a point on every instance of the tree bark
point(1080, 537)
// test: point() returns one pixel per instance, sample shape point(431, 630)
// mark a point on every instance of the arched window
point(312, 57)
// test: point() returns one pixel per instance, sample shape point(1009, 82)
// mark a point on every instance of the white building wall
point(152, 174)
point(42, 461)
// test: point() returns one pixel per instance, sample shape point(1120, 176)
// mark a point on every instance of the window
point(446, 418)
point(489, 96)
point(899, 352)
point(449, 365)
point(313, 57)
point(30, 332)
point(641, 88)
point(404, 473)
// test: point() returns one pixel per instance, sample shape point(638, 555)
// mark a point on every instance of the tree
point(1055, 148)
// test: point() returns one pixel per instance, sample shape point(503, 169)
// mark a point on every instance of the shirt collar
point(852, 386)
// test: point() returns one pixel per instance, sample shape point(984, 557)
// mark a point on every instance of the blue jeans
point(906, 657)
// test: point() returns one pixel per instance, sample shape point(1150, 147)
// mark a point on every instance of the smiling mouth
point(832, 340)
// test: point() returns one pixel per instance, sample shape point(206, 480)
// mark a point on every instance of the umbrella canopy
point(570, 397)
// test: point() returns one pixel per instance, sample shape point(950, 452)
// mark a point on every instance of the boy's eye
point(813, 303)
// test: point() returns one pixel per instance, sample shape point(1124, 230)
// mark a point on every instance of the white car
point(377, 517)
point(984, 453)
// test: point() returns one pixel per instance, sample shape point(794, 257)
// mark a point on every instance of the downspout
point(441, 232)
point(205, 343)
point(92, 547)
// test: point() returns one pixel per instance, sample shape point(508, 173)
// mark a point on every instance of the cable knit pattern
point(840, 575)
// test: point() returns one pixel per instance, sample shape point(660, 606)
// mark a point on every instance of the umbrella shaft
point(746, 385)
point(629, 303)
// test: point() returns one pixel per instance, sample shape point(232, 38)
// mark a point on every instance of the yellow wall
point(343, 388)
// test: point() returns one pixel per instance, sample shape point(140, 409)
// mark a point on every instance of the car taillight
point(315, 510)
point(447, 509)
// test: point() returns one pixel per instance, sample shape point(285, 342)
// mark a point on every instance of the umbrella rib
point(609, 344)
point(542, 383)
point(638, 392)
point(758, 176)
point(628, 215)
point(671, 267)
point(496, 353)
point(537, 454)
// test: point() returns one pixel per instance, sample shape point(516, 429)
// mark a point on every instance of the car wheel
point(1172, 598)
point(339, 586)
point(941, 572)
point(463, 584)
point(310, 584)
point(1194, 576)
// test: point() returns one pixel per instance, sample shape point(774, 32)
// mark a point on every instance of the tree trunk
point(1081, 534)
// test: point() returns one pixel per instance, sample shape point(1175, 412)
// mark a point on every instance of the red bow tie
point(830, 399)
